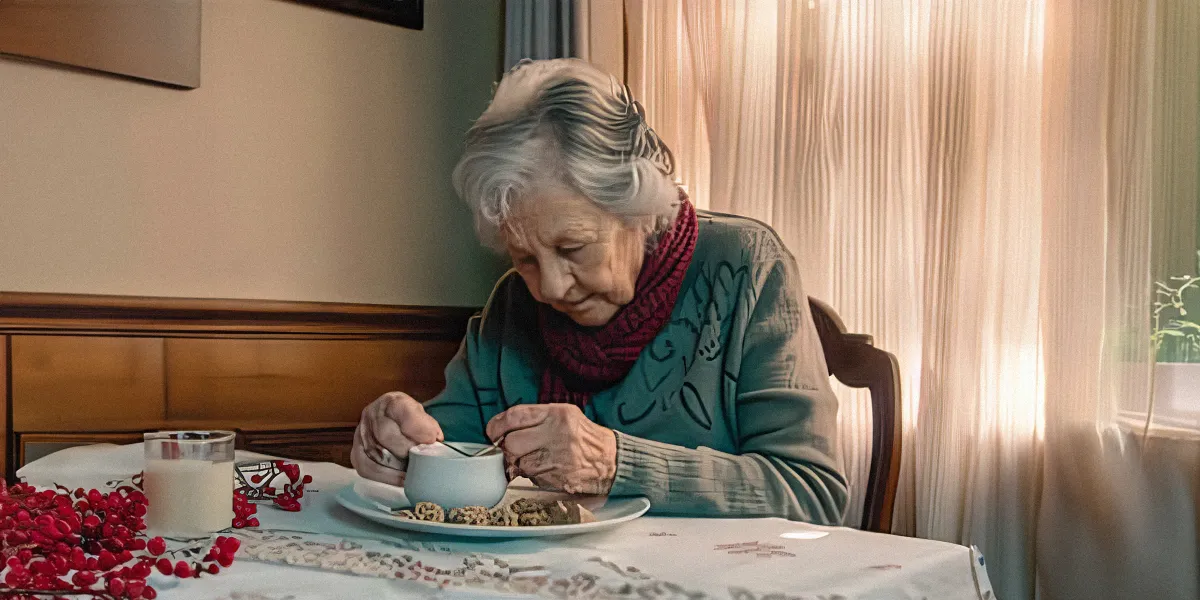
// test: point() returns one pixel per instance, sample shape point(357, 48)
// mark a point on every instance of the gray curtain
point(538, 29)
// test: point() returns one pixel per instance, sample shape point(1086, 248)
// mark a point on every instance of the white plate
point(371, 500)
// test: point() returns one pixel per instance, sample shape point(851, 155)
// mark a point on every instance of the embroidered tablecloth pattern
point(324, 551)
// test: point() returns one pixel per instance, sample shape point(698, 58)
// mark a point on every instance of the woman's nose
point(554, 284)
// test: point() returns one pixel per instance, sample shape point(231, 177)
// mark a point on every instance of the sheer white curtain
point(967, 181)
point(1119, 506)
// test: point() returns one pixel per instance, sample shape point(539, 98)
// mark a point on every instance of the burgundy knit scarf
point(585, 360)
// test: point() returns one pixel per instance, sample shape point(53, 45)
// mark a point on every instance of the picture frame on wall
point(153, 41)
point(402, 13)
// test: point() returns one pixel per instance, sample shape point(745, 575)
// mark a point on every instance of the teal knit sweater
point(727, 413)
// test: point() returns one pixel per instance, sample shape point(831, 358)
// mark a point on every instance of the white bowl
point(440, 475)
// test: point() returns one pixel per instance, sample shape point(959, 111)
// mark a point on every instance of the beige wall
point(312, 163)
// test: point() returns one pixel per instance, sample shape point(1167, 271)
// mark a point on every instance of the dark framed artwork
point(151, 40)
point(404, 13)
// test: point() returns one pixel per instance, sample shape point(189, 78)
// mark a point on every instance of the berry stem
point(9, 592)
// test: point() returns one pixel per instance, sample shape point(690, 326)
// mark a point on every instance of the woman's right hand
point(396, 422)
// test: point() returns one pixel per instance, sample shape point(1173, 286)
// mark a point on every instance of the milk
point(188, 497)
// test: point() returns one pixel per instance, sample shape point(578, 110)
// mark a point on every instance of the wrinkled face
point(573, 255)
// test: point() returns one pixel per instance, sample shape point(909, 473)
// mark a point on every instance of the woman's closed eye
point(568, 250)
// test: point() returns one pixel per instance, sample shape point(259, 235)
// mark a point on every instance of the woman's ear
point(651, 228)
point(655, 224)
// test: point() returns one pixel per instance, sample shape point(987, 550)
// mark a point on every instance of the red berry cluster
point(62, 542)
point(244, 511)
point(288, 499)
point(220, 555)
point(293, 491)
point(83, 543)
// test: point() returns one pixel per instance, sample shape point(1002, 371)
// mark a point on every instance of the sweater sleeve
point(786, 417)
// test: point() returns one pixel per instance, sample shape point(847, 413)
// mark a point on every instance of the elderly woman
point(638, 347)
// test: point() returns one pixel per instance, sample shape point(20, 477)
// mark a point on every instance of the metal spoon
point(456, 449)
point(495, 446)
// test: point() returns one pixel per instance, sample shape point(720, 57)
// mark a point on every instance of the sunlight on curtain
point(1119, 508)
point(776, 139)
point(966, 181)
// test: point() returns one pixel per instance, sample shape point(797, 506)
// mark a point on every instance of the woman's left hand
point(557, 447)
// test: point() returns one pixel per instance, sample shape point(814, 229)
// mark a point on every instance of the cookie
point(525, 512)
point(569, 513)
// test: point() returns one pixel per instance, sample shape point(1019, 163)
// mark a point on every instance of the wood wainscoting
point(290, 377)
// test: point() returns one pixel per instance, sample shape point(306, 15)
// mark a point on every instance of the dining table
point(325, 551)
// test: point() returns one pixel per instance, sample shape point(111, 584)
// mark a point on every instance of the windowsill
point(1163, 427)
point(1176, 404)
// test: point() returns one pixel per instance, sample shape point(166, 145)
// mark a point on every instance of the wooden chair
point(856, 362)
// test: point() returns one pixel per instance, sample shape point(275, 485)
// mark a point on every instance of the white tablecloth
point(327, 552)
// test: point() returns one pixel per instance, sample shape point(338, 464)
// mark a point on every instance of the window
point(1176, 331)
point(1176, 245)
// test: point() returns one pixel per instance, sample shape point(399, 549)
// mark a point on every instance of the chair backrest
point(857, 363)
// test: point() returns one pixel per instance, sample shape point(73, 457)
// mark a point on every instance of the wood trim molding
point(21, 441)
point(32, 313)
point(6, 397)
point(290, 377)
point(322, 442)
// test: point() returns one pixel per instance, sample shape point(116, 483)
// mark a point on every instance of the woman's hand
point(396, 422)
point(557, 447)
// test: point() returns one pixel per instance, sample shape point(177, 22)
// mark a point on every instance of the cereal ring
point(533, 519)
point(503, 516)
point(469, 515)
point(428, 511)
point(528, 505)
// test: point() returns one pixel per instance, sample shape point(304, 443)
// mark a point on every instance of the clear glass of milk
point(188, 480)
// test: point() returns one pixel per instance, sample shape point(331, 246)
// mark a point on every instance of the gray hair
point(567, 124)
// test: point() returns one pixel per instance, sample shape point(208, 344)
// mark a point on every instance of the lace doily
point(439, 566)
